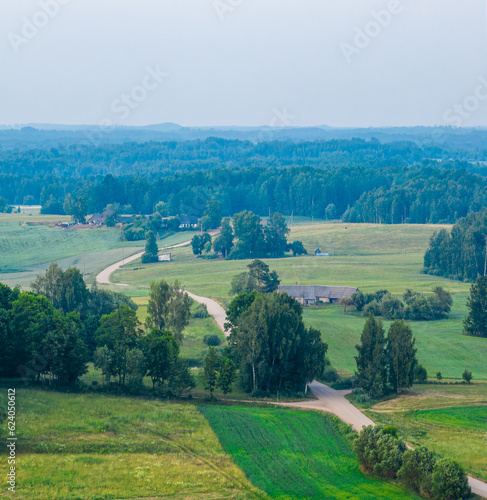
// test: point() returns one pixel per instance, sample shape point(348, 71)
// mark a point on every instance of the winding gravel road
point(327, 399)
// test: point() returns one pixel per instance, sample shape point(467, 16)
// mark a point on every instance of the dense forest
point(356, 180)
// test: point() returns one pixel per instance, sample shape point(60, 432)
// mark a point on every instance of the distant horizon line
point(78, 126)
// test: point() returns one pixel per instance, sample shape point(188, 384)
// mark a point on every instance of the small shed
point(318, 253)
point(164, 257)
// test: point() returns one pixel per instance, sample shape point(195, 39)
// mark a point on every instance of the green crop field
point(294, 454)
point(99, 447)
point(457, 432)
point(471, 418)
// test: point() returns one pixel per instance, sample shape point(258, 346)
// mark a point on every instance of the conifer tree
point(371, 365)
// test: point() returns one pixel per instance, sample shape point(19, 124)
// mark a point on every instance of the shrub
point(201, 311)
point(372, 308)
point(391, 308)
point(379, 452)
point(330, 375)
point(391, 430)
point(420, 374)
point(467, 376)
point(449, 481)
point(416, 470)
point(212, 340)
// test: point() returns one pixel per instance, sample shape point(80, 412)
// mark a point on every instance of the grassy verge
point(294, 454)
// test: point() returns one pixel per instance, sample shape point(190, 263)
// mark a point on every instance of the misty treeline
point(358, 181)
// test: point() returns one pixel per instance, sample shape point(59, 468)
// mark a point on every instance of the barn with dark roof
point(309, 295)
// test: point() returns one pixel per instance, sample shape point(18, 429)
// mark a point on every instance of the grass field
point(99, 447)
point(294, 454)
point(367, 256)
point(449, 419)
point(25, 250)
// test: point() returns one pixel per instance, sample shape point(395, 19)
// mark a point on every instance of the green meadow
point(294, 454)
point(89, 447)
point(26, 250)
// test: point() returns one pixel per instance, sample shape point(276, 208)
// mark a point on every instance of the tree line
point(462, 252)
point(358, 181)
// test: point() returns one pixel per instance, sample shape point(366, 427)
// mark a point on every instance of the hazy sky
point(244, 62)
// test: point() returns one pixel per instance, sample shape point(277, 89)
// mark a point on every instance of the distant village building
point(101, 219)
point(187, 221)
point(318, 253)
point(164, 257)
point(308, 295)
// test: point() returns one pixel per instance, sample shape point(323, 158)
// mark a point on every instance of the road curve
point(333, 401)
point(215, 309)
point(103, 277)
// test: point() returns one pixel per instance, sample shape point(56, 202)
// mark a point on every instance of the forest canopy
point(355, 180)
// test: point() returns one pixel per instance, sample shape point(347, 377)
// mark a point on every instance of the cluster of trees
point(55, 331)
point(249, 238)
point(380, 451)
point(271, 345)
point(128, 355)
point(258, 278)
point(415, 306)
point(52, 331)
point(355, 180)
point(218, 371)
point(462, 253)
point(382, 361)
point(4, 206)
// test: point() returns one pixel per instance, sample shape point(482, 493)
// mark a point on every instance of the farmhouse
point(101, 219)
point(308, 295)
point(187, 221)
